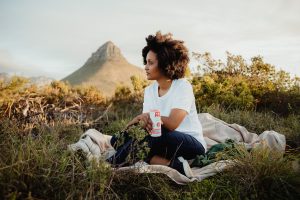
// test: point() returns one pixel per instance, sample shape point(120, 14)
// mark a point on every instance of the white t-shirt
point(180, 95)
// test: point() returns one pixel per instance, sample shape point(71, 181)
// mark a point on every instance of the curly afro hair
point(171, 54)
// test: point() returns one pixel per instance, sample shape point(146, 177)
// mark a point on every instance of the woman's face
point(151, 67)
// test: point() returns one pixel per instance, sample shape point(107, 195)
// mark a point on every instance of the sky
point(54, 38)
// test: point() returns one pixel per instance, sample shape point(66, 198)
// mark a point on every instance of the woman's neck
point(164, 84)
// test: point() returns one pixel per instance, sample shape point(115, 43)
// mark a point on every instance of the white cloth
point(180, 95)
point(94, 144)
point(215, 131)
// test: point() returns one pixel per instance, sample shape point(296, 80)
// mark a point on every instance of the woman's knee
point(174, 137)
point(186, 148)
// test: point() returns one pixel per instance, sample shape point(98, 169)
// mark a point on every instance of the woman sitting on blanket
point(166, 61)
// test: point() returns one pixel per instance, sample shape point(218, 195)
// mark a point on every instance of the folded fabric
point(216, 131)
point(94, 144)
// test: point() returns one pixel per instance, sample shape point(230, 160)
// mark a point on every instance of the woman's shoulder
point(183, 82)
point(149, 87)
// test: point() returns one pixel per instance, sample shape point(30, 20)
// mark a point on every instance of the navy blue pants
point(170, 145)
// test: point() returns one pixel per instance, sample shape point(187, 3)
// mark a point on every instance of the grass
point(38, 166)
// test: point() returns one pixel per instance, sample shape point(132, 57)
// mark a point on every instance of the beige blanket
point(215, 131)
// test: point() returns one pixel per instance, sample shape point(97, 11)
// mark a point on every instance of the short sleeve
point(147, 101)
point(184, 97)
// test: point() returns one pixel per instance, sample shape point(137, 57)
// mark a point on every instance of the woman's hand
point(145, 121)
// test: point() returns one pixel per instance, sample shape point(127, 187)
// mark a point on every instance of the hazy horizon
point(55, 38)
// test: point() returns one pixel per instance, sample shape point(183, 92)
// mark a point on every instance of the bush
point(239, 85)
point(128, 102)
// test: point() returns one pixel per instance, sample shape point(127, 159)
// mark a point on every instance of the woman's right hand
point(144, 119)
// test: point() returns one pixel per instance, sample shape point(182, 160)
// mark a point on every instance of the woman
point(166, 61)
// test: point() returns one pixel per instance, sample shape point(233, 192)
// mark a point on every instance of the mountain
point(41, 80)
point(37, 80)
point(105, 69)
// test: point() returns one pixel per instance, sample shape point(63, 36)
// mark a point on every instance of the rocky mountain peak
point(108, 51)
point(105, 69)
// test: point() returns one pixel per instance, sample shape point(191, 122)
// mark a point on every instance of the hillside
point(105, 69)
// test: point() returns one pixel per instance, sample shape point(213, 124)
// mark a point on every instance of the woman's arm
point(171, 122)
point(174, 119)
point(144, 118)
point(133, 121)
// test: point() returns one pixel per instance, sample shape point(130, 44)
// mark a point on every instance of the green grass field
point(38, 166)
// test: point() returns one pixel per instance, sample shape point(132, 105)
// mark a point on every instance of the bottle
point(156, 123)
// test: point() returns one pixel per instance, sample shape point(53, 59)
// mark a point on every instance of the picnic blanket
point(215, 131)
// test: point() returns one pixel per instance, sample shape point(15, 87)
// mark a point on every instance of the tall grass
point(258, 174)
point(39, 166)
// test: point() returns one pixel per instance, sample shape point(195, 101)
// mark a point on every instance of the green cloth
point(210, 156)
